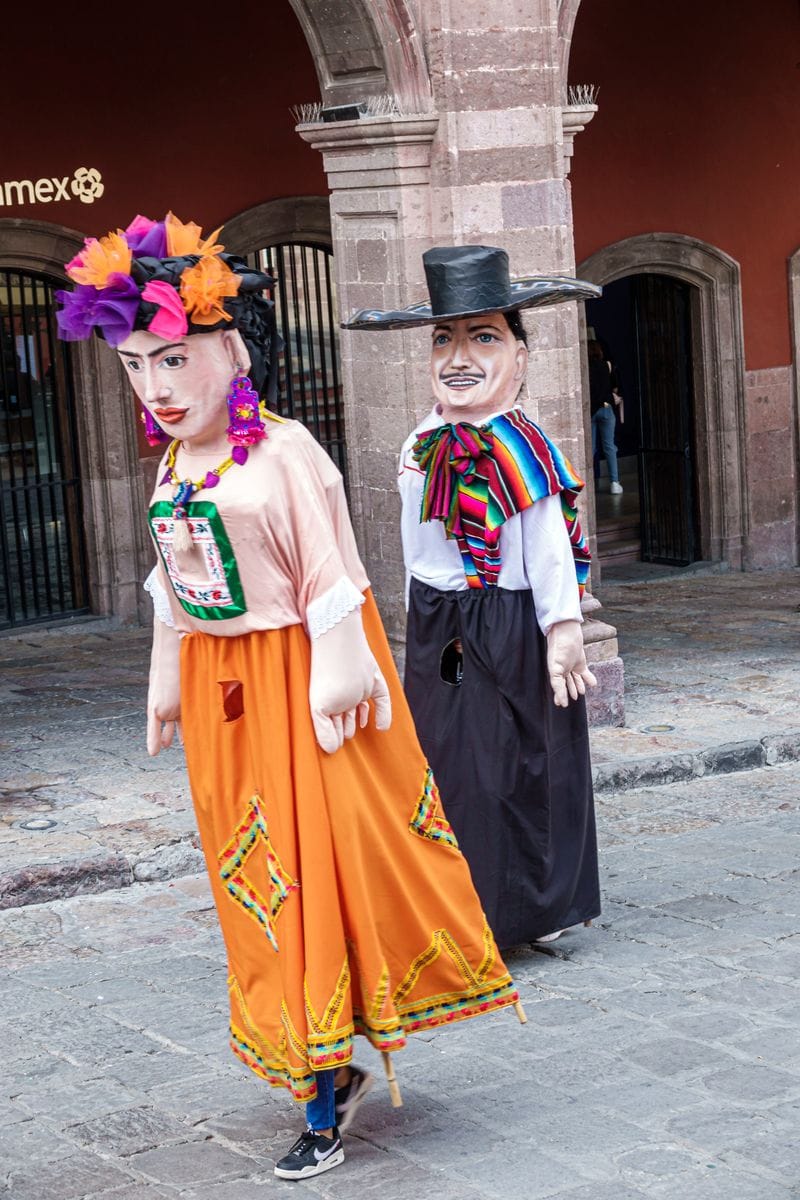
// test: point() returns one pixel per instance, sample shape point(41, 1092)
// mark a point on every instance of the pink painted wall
point(187, 111)
point(696, 133)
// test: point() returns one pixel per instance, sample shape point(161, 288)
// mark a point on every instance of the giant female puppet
point(345, 904)
point(495, 667)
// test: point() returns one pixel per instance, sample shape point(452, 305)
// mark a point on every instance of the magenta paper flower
point(170, 321)
point(146, 238)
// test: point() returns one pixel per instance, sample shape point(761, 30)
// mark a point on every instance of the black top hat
point(465, 281)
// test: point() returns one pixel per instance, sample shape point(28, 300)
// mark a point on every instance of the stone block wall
point(771, 468)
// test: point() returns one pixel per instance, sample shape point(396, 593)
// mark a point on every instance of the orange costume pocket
point(345, 904)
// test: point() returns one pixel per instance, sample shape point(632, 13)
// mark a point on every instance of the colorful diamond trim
point(252, 831)
point(429, 820)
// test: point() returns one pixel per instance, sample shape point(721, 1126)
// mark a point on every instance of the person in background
point(602, 386)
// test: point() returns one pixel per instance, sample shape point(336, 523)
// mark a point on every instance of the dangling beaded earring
point(246, 427)
point(153, 432)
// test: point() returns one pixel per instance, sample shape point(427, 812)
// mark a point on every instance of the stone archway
point(113, 498)
point(567, 14)
point(290, 219)
point(719, 372)
point(366, 48)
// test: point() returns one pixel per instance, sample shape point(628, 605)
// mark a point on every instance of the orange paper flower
point(99, 259)
point(188, 238)
point(203, 288)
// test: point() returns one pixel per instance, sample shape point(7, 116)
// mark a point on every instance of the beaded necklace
point(184, 489)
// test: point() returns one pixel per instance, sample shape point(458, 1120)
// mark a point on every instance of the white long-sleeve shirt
point(534, 543)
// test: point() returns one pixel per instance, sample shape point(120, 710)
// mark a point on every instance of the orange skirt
point(345, 903)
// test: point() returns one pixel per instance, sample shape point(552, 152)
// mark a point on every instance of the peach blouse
point(272, 542)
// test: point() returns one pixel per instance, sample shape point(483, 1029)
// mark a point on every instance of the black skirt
point(512, 769)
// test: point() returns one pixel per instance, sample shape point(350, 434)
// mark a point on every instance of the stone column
point(120, 553)
point(498, 171)
point(488, 168)
point(379, 173)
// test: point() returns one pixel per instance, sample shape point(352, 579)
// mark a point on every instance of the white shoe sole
point(327, 1164)
point(347, 1117)
point(549, 937)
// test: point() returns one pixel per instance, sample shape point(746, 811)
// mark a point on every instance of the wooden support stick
point(394, 1086)
point(587, 924)
point(520, 1011)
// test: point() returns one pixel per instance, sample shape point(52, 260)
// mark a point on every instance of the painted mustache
point(462, 380)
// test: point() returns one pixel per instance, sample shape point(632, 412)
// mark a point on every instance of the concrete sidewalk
point(711, 667)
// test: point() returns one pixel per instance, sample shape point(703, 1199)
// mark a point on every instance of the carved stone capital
point(374, 151)
point(574, 119)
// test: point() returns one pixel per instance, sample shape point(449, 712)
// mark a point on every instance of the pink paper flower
point(170, 321)
point(146, 238)
point(139, 226)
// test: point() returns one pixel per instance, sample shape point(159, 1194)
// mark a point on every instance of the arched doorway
point(643, 324)
point(711, 336)
point(42, 546)
point(291, 240)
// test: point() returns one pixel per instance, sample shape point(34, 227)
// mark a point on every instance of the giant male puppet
point(495, 558)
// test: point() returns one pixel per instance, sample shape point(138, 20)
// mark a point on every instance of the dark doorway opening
point(309, 375)
point(42, 553)
point(644, 324)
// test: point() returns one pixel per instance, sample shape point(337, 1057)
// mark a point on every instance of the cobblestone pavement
point(713, 658)
point(661, 1058)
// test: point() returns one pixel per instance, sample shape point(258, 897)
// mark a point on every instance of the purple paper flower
point(112, 309)
point(76, 318)
point(146, 238)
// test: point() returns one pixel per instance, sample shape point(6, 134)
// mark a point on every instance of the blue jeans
point(603, 428)
point(321, 1112)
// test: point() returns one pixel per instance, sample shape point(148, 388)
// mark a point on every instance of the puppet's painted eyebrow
point(476, 328)
point(153, 353)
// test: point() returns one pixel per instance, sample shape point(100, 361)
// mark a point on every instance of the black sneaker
point(348, 1097)
point(311, 1154)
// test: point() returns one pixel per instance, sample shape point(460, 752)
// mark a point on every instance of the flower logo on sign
point(87, 184)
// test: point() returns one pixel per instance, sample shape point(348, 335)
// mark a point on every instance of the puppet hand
point(164, 692)
point(344, 677)
point(161, 727)
point(566, 662)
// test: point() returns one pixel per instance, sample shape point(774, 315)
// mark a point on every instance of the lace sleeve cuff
point(161, 609)
point(332, 607)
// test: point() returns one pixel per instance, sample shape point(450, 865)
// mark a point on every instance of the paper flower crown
point(164, 277)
